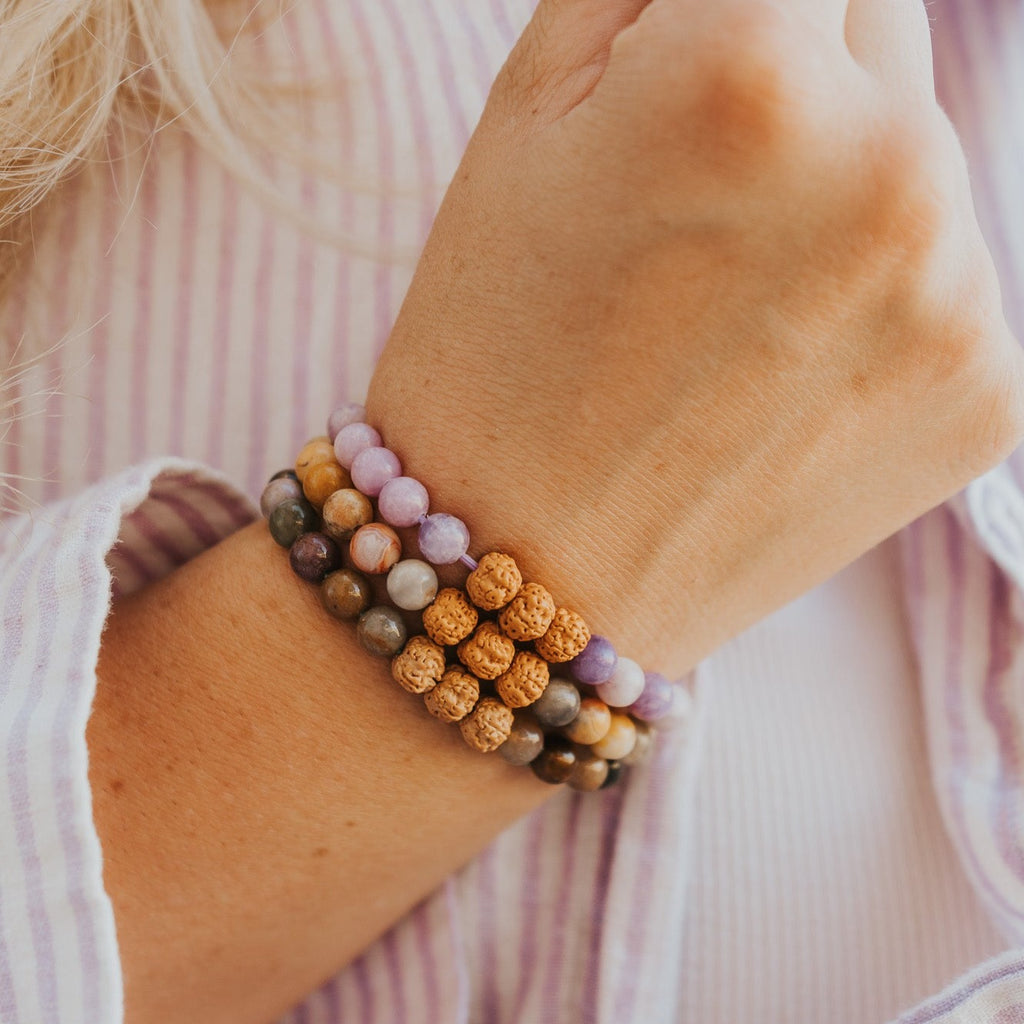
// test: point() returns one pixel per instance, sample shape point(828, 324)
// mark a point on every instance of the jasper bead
point(642, 747)
point(625, 685)
point(412, 584)
point(591, 724)
point(596, 662)
point(558, 705)
point(524, 743)
point(443, 539)
point(555, 763)
point(589, 773)
point(313, 556)
point(619, 740)
point(350, 412)
point(656, 699)
point(290, 520)
point(282, 488)
point(345, 511)
point(322, 480)
point(402, 501)
point(353, 439)
point(372, 468)
point(346, 594)
point(381, 631)
point(374, 548)
point(313, 453)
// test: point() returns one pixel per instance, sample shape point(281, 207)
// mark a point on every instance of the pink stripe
point(425, 946)
point(54, 424)
point(396, 981)
point(531, 928)
point(486, 902)
point(458, 950)
point(555, 977)
point(226, 300)
point(188, 259)
point(142, 327)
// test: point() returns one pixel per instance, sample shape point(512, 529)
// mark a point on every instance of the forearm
point(268, 799)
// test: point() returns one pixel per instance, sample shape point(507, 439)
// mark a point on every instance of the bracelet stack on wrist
point(498, 656)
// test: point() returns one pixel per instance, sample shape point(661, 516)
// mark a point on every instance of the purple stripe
point(182, 335)
point(950, 1001)
point(611, 813)
point(386, 165)
point(17, 764)
point(955, 545)
point(458, 946)
point(555, 975)
point(395, 976)
point(367, 999)
point(168, 487)
point(998, 699)
point(425, 945)
point(486, 900)
point(65, 779)
point(259, 411)
point(529, 937)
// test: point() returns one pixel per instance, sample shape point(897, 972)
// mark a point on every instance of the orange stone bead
point(313, 453)
point(322, 480)
point(591, 724)
point(619, 740)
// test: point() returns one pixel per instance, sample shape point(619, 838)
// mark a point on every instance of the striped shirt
point(840, 836)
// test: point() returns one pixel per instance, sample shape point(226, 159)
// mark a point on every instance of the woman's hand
point(706, 312)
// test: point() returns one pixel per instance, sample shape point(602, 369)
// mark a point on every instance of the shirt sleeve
point(60, 566)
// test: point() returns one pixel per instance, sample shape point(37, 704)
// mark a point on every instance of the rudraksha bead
point(528, 615)
point(494, 582)
point(454, 696)
point(526, 679)
point(450, 618)
point(419, 666)
point(488, 652)
point(566, 637)
point(488, 726)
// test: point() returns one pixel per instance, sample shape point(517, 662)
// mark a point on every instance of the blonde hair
point(71, 71)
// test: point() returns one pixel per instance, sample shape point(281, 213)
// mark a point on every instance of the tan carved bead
point(524, 682)
point(566, 637)
point(528, 615)
point(494, 582)
point(488, 652)
point(450, 618)
point(419, 666)
point(488, 726)
point(454, 696)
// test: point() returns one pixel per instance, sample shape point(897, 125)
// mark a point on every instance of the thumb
point(559, 58)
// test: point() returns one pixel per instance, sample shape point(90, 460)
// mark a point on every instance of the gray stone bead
point(381, 631)
point(412, 584)
point(557, 705)
point(524, 743)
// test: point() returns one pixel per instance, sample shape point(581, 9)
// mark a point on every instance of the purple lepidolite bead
point(351, 440)
point(656, 700)
point(402, 501)
point(596, 662)
point(350, 412)
point(443, 539)
point(373, 467)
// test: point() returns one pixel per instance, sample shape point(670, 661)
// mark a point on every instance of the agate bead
point(589, 773)
point(346, 594)
point(591, 723)
point(350, 412)
point(381, 631)
point(374, 548)
point(625, 685)
point(313, 556)
point(558, 705)
point(345, 511)
point(555, 763)
point(619, 740)
point(353, 439)
point(373, 467)
point(596, 662)
point(290, 520)
point(524, 743)
point(402, 501)
point(443, 539)
point(282, 488)
point(412, 584)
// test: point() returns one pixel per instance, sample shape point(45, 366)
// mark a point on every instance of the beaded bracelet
point(489, 651)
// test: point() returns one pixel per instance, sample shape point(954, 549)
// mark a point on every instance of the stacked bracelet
point(517, 672)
